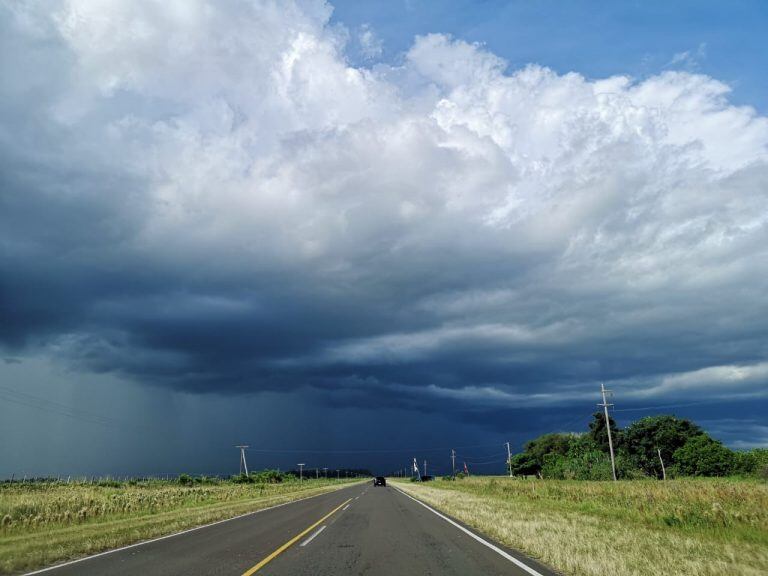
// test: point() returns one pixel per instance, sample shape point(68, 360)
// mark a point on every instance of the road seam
point(308, 540)
point(482, 541)
point(292, 541)
point(187, 531)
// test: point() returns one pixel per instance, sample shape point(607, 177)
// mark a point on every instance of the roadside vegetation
point(710, 515)
point(44, 522)
point(702, 526)
point(652, 447)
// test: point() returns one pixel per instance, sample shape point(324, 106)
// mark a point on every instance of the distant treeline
point(276, 476)
point(254, 477)
point(648, 447)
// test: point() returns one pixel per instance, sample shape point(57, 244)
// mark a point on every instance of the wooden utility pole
point(608, 428)
point(243, 463)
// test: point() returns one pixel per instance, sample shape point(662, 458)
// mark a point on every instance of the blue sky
point(595, 38)
point(287, 224)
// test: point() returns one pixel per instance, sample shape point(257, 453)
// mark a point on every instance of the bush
point(242, 479)
point(644, 437)
point(267, 477)
point(586, 465)
point(586, 461)
point(185, 480)
point(524, 464)
point(599, 433)
point(751, 462)
point(703, 456)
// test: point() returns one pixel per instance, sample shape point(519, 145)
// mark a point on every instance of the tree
point(599, 434)
point(532, 459)
point(524, 464)
point(703, 456)
point(751, 463)
point(553, 443)
point(642, 438)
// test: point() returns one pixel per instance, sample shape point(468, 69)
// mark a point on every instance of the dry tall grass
point(41, 524)
point(635, 528)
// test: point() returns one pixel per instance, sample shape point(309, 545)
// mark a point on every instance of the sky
point(362, 233)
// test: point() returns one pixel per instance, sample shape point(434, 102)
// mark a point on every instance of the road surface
point(360, 529)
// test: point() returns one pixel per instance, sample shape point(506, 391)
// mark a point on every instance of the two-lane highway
point(360, 529)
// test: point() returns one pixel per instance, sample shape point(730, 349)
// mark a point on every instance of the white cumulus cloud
point(448, 204)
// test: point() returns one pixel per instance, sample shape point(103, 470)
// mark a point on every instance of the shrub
point(242, 479)
point(599, 433)
point(586, 465)
point(644, 437)
point(751, 462)
point(524, 464)
point(703, 456)
point(267, 477)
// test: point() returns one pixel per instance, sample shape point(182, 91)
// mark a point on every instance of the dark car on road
point(379, 481)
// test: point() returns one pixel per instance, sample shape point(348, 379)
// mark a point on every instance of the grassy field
point(634, 528)
point(44, 523)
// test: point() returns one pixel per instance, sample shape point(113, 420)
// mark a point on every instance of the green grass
point(46, 523)
point(636, 528)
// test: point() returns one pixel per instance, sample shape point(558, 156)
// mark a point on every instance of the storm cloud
point(208, 197)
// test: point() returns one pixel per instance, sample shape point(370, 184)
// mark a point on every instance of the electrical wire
point(665, 406)
point(51, 406)
point(369, 451)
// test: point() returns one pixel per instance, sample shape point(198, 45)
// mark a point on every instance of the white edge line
point(129, 546)
point(476, 537)
point(308, 540)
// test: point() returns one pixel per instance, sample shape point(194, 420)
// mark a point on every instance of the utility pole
point(608, 427)
point(317, 473)
point(453, 461)
point(325, 471)
point(425, 467)
point(243, 463)
point(663, 470)
point(301, 471)
point(509, 460)
point(337, 475)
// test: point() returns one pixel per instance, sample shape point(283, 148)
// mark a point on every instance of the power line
point(366, 451)
point(497, 461)
point(665, 406)
point(53, 407)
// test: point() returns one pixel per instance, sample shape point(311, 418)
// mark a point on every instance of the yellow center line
point(292, 541)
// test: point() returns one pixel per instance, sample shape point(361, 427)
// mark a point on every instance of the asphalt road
point(360, 529)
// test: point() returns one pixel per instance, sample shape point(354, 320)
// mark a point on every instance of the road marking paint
point(188, 530)
point(493, 547)
point(308, 540)
point(345, 507)
point(292, 541)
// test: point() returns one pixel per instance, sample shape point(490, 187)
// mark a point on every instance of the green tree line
point(648, 447)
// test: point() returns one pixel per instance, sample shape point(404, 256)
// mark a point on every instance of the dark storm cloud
point(443, 236)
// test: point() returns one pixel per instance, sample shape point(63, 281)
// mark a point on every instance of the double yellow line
point(293, 540)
